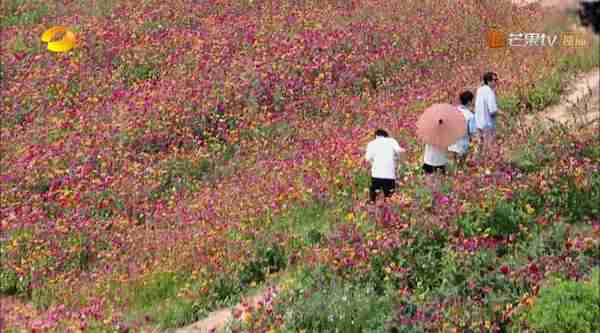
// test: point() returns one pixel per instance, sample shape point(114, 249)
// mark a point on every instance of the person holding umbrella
point(383, 153)
point(439, 127)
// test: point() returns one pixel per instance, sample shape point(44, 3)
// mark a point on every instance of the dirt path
point(579, 105)
point(217, 320)
point(558, 4)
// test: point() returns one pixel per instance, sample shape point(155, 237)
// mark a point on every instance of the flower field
point(188, 152)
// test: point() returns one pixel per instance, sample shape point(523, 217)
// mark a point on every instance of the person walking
point(438, 127)
point(486, 111)
point(460, 149)
point(383, 153)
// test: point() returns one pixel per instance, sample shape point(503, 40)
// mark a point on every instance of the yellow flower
point(530, 210)
point(246, 317)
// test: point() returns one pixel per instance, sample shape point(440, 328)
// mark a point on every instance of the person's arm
point(492, 104)
point(471, 126)
point(369, 155)
point(399, 151)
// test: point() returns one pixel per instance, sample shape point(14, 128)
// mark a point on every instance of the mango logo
point(496, 39)
point(65, 44)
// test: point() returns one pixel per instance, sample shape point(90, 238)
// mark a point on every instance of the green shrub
point(510, 104)
point(362, 181)
point(10, 283)
point(591, 152)
point(424, 257)
point(147, 293)
point(181, 173)
point(181, 312)
point(576, 202)
point(546, 93)
point(334, 306)
point(19, 16)
point(504, 220)
point(269, 259)
point(310, 222)
point(469, 224)
point(567, 306)
point(526, 161)
point(224, 290)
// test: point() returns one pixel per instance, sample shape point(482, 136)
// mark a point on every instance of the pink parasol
point(441, 125)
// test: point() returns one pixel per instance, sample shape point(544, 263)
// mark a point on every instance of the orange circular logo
point(65, 44)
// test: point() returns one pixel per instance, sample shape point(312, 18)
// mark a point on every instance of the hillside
point(187, 152)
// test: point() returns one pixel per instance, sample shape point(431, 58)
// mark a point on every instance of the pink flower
point(444, 200)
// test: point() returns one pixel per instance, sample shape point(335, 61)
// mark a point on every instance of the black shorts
point(381, 184)
point(431, 169)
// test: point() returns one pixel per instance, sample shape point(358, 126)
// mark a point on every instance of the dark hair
point(381, 132)
point(589, 14)
point(489, 76)
point(465, 97)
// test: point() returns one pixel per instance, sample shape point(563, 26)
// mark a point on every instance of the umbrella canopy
point(441, 125)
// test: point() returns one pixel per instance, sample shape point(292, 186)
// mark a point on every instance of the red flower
point(533, 269)
point(505, 270)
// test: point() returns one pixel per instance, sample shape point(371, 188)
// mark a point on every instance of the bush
point(546, 93)
point(140, 72)
point(149, 292)
point(270, 259)
point(504, 220)
point(567, 306)
point(335, 307)
point(181, 173)
point(424, 258)
point(36, 10)
point(576, 202)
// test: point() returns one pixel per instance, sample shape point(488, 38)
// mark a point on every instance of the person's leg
point(485, 154)
point(372, 191)
point(389, 187)
point(458, 159)
point(376, 187)
point(437, 173)
point(491, 143)
point(454, 157)
point(428, 170)
point(479, 156)
point(433, 180)
point(493, 146)
point(463, 159)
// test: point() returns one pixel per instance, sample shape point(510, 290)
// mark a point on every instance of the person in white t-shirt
point(461, 147)
point(486, 110)
point(434, 164)
point(383, 153)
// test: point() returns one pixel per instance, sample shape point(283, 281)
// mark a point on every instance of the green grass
point(148, 293)
point(309, 223)
point(318, 301)
point(14, 15)
point(567, 306)
point(546, 92)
